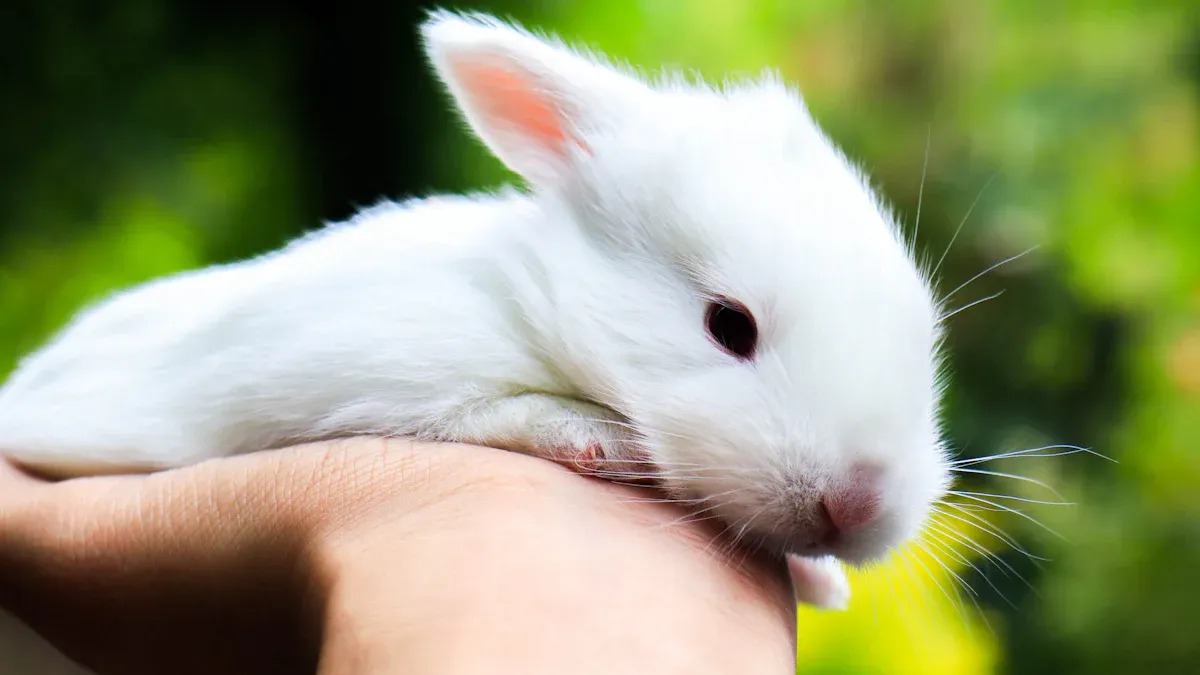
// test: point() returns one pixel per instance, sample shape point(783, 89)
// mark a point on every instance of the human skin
point(383, 556)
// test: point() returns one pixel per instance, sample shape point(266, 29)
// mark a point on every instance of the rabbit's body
point(434, 318)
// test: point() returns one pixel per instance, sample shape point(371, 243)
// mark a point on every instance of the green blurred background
point(141, 137)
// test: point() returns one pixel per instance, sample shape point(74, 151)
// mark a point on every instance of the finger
point(15, 483)
point(130, 574)
point(151, 567)
point(206, 514)
point(18, 492)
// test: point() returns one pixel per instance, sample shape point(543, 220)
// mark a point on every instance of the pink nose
point(851, 508)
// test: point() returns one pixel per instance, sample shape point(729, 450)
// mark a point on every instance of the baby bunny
point(697, 287)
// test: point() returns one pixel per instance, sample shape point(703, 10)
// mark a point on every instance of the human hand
point(372, 556)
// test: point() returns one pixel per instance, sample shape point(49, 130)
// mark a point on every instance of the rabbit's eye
point(732, 326)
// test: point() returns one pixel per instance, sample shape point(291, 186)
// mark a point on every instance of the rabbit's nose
point(848, 507)
point(844, 511)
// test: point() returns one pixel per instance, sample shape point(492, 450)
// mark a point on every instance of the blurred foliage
point(141, 137)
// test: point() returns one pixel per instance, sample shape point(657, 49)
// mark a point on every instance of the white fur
point(552, 320)
point(820, 582)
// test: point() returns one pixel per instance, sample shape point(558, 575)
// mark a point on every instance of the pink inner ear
point(508, 99)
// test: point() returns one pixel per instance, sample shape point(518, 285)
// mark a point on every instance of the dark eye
point(732, 326)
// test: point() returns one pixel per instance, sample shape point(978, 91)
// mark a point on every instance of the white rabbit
point(697, 285)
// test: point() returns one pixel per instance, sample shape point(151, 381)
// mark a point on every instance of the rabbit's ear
point(533, 103)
